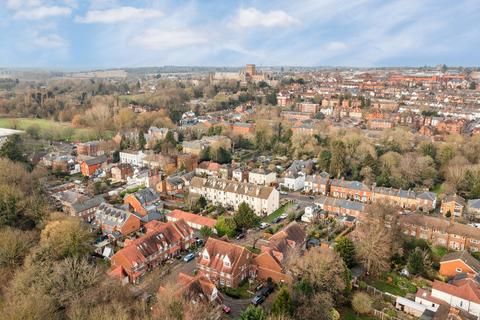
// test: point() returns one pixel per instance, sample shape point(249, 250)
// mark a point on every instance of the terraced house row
point(359, 191)
point(228, 193)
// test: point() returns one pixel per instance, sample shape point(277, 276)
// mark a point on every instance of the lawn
point(439, 252)
point(50, 129)
point(241, 292)
point(349, 314)
point(277, 213)
point(399, 285)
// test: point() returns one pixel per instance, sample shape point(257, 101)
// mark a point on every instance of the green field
point(52, 130)
point(349, 314)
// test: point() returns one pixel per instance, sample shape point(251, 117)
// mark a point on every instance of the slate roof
point(248, 189)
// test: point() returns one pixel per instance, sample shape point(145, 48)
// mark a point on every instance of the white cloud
point(51, 41)
point(120, 14)
point(335, 46)
point(252, 17)
point(38, 13)
point(159, 39)
point(17, 4)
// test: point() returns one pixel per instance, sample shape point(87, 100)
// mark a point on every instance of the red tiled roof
point(466, 289)
point(192, 218)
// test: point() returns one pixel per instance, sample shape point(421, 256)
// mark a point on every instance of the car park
point(189, 257)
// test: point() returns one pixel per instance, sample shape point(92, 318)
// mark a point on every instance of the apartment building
point(263, 200)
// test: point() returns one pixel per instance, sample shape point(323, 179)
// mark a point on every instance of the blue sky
point(84, 34)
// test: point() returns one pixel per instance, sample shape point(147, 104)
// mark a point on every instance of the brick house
point(115, 221)
point(441, 232)
point(121, 172)
point(78, 205)
point(224, 263)
point(243, 128)
point(195, 221)
point(269, 264)
point(88, 167)
point(403, 198)
point(454, 205)
point(454, 263)
point(355, 190)
point(318, 184)
point(162, 242)
point(143, 201)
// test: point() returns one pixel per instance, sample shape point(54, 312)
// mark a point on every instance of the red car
point(226, 309)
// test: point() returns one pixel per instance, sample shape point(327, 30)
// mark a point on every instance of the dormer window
point(205, 255)
point(226, 264)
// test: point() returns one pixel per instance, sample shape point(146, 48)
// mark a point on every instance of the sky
point(94, 34)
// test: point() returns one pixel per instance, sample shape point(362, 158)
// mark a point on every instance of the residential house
point(89, 166)
point(453, 205)
point(134, 158)
point(317, 184)
point(454, 263)
point(355, 190)
point(224, 263)
point(195, 221)
point(195, 288)
point(403, 198)
point(91, 148)
point(270, 263)
point(426, 201)
point(473, 208)
point(262, 177)
point(240, 174)
point(115, 221)
point(143, 201)
point(78, 205)
point(208, 168)
point(161, 242)
point(462, 294)
point(121, 172)
point(341, 206)
point(441, 232)
point(243, 128)
point(263, 200)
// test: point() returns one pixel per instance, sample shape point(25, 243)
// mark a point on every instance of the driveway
point(237, 305)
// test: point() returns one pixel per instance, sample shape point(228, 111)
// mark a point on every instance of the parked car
point(283, 193)
point(226, 309)
point(257, 300)
point(240, 236)
point(189, 257)
point(264, 225)
point(199, 242)
point(283, 216)
point(266, 291)
point(277, 220)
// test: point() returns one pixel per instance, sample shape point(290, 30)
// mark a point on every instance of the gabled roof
point(291, 236)
point(464, 256)
point(218, 250)
point(97, 160)
point(474, 203)
point(466, 289)
point(146, 196)
point(454, 198)
point(192, 218)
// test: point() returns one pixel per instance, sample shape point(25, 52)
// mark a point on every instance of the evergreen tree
point(346, 249)
point(338, 162)
point(12, 149)
point(283, 305)
point(141, 141)
point(415, 262)
point(253, 313)
point(245, 218)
